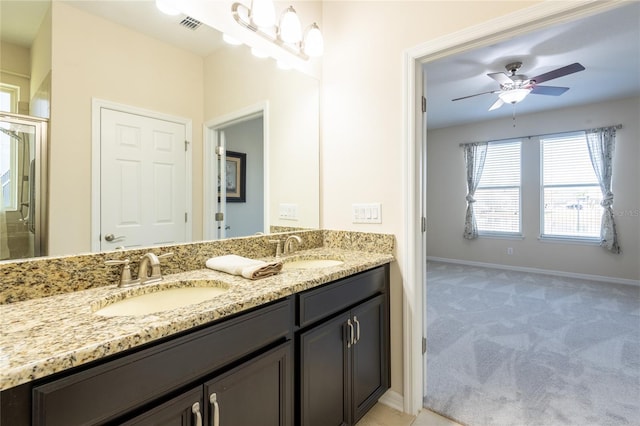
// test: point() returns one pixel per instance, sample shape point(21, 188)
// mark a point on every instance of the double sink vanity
point(308, 346)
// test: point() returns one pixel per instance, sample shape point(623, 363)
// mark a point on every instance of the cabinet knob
point(195, 409)
point(213, 399)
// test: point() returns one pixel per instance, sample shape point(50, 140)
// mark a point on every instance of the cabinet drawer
point(104, 392)
point(313, 305)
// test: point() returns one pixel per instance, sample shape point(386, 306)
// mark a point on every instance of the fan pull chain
point(514, 115)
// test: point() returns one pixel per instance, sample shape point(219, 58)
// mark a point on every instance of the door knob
point(112, 238)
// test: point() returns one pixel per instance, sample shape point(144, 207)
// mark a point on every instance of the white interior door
point(142, 180)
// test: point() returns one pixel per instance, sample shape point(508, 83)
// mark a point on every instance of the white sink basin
point(311, 263)
point(161, 300)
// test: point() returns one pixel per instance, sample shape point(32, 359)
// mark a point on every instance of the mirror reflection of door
point(143, 199)
point(243, 200)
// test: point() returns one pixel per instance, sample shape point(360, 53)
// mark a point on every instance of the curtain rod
point(617, 126)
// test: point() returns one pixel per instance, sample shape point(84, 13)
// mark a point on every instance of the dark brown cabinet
point(258, 392)
point(344, 359)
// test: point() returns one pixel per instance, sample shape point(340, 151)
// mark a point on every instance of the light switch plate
point(366, 213)
point(288, 211)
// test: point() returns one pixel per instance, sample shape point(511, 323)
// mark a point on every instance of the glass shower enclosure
point(23, 186)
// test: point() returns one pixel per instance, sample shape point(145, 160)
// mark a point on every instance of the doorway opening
point(236, 153)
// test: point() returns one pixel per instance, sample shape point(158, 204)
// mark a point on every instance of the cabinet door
point(369, 362)
point(184, 410)
point(258, 392)
point(324, 366)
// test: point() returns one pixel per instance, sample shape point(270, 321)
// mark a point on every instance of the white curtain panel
point(474, 156)
point(601, 143)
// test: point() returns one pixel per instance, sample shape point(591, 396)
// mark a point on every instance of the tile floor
point(382, 415)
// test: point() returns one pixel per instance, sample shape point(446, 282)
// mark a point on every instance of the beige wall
point(96, 58)
point(15, 68)
point(362, 113)
point(446, 191)
point(231, 85)
point(41, 70)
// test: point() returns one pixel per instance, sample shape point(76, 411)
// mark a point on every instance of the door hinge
point(219, 217)
point(424, 345)
point(219, 150)
point(186, 146)
point(424, 224)
point(424, 104)
point(186, 215)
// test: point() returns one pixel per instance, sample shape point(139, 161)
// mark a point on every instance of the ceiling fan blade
point(477, 94)
point(549, 90)
point(497, 104)
point(560, 72)
point(501, 78)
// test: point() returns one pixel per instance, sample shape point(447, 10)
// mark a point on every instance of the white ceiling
point(607, 45)
point(21, 19)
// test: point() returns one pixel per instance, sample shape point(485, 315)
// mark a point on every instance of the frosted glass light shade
point(313, 41)
point(231, 40)
point(290, 26)
point(259, 53)
point(514, 96)
point(263, 13)
point(166, 7)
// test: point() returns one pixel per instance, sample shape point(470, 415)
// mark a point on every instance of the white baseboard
point(392, 399)
point(538, 271)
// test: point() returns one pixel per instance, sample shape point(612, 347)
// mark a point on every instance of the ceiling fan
point(515, 87)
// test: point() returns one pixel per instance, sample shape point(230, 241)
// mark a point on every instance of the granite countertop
point(47, 335)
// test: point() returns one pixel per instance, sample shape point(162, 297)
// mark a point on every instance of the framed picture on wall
point(236, 172)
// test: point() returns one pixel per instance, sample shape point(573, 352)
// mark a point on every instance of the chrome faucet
point(288, 244)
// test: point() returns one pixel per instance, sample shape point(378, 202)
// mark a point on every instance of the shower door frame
point(41, 186)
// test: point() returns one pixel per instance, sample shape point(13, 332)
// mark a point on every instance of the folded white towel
point(248, 268)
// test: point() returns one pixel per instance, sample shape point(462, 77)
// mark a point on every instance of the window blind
point(570, 191)
point(497, 206)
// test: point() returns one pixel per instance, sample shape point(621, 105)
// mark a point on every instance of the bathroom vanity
point(306, 347)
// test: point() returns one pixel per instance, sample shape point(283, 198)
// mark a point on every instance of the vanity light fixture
point(287, 33)
point(167, 7)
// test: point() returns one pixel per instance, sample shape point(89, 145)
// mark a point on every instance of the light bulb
point(263, 13)
point(231, 40)
point(167, 7)
point(259, 53)
point(313, 41)
point(290, 26)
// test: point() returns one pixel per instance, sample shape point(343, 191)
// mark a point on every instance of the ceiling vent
point(190, 23)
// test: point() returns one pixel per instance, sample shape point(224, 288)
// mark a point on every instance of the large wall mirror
point(130, 54)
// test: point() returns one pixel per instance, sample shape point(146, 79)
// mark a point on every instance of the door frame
point(96, 105)
point(517, 23)
point(211, 128)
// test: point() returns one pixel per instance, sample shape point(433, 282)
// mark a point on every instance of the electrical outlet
point(509, 251)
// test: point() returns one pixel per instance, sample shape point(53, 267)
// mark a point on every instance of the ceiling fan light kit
point(514, 88)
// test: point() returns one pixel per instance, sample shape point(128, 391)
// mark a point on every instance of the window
point(570, 191)
point(9, 96)
point(497, 206)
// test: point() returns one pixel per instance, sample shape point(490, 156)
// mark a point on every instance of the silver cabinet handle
point(213, 399)
point(195, 409)
point(350, 337)
point(355, 320)
point(113, 239)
